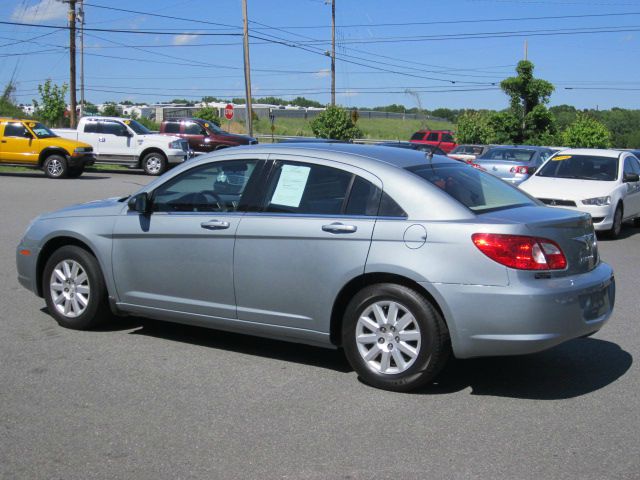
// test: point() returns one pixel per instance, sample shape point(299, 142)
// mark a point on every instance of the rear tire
point(74, 289)
point(55, 166)
point(154, 163)
point(394, 338)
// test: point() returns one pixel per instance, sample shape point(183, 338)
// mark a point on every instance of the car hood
point(236, 138)
point(95, 208)
point(66, 143)
point(566, 188)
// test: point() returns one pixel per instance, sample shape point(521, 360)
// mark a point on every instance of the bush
point(209, 114)
point(474, 127)
point(335, 123)
point(586, 132)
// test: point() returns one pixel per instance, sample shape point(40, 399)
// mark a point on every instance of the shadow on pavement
point(44, 177)
point(570, 370)
point(245, 344)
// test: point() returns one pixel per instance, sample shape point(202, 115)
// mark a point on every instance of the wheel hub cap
point(70, 288)
point(388, 337)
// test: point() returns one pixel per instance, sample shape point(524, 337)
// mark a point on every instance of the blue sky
point(416, 56)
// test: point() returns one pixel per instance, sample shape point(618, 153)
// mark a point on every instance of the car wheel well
point(48, 249)
point(46, 153)
point(146, 152)
point(360, 282)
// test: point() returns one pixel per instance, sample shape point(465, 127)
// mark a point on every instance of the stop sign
point(228, 111)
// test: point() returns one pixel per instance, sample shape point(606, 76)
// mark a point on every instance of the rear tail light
point(521, 252)
point(475, 165)
point(520, 169)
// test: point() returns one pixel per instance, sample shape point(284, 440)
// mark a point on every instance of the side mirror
point(630, 177)
point(140, 203)
point(532, 170)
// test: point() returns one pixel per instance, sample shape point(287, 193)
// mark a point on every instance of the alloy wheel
point(70, 289)
point(388, 337)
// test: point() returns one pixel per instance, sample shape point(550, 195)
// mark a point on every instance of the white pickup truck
point(126, 142)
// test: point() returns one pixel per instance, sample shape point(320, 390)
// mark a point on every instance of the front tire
point(616, 228)
point(394, 338)
point(75, 172)
point(154, 163)
point(74, 289)
point(55, 166)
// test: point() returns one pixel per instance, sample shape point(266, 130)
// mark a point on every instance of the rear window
point(509, 154)
point(172, 127)
point(581, 167)
point(417, 136)
point(477, 190)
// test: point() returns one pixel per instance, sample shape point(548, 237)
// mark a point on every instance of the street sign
point(228, 111)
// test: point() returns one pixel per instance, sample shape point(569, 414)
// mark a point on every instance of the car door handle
point(215, 225)
point(338, 227)
point(3, 141)
point(101, 139)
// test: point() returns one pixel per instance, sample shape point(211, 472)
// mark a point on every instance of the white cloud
point(325, 72)
point(184, 38)
point(42, 11)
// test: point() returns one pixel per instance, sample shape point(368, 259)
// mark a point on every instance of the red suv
point(440, 138)
point(202, 135)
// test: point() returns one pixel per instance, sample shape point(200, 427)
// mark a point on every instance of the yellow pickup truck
point(29, 143)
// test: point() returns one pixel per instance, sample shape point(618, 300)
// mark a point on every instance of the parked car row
point(64, 152)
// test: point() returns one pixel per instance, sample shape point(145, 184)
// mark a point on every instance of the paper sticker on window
point(127, 122)
point(206, 125)
point(561, 157)
point(293, 180)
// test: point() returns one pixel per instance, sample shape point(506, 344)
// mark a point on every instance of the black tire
point(616, 228)
point(75, 172)
point(434, 347)
point(55, 166)
point(96, 310)
point(636, 222)
point(154, 163)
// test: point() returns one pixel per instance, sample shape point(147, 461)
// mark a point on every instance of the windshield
point(41, 131)
point(137, 127)
point(212, 127)
point(508, 154)
point(477, 190)
point(581, 167)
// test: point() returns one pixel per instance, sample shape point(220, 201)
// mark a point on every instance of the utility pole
point(333, 52)
point(72, 62)
point(247, 71)
point(526, 50)
point(81, 18)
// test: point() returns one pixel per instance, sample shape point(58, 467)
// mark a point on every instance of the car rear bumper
point(521, 319)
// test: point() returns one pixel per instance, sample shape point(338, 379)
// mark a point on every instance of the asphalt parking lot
point(143, 399)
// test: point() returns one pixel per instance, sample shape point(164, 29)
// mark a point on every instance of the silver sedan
point(397, 257)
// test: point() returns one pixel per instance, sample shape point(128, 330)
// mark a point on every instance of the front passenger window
point(215, 187)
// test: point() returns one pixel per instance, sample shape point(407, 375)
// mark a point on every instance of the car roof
point(432, 130)
point(10, 119)
point(364, 156)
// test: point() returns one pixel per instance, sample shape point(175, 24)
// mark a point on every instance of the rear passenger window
point(172, 127)
point(308, 189)
point(16, 129)
point(389, 207)
point(364, 198)
point(432, 137)
point(446, 137)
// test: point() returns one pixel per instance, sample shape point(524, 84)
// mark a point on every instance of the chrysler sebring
point(397, 257)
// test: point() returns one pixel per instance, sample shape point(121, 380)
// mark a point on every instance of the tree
point(53, 105)
point(528, 96)
point(474, 127)
point(305, 102)
point(335, 123)
point(586, 132)
point(110, 110)
point(210, 114)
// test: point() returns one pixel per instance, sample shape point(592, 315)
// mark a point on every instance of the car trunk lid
point(572, 231)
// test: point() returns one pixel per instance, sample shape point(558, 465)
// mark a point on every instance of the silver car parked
point(394, 256)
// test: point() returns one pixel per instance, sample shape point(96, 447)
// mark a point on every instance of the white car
point(603, 183)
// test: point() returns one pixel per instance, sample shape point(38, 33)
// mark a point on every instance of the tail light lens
point(520, 169)
point(521, 252)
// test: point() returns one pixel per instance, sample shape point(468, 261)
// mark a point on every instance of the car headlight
point(598, 201)
point(177, 144)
